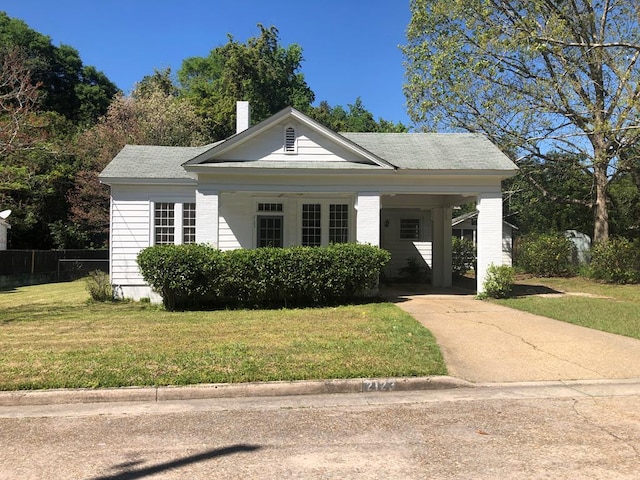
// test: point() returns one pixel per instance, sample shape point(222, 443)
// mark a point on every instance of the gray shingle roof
point(411, 151)
point(434, 151)
point(151, 161)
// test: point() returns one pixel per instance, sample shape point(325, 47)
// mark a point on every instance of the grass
point(610, 308)
point(52, 337)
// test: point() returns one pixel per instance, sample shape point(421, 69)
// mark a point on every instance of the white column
point(207, 216)
point(489, 233)
point(441, 271)
point(368, 218)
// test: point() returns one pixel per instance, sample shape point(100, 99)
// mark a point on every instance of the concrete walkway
point(484, 342)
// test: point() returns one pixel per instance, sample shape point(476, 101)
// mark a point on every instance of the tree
point(535, 76)
point(35, 178)
point(259, 71)
point(18, 98)
point(161, 80)
point(533, 212)
point(356, 119)
point(78, 92)
point(151, 116)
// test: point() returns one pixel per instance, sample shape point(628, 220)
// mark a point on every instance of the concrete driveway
point(484, 342)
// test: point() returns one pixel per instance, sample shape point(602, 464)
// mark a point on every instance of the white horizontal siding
point(236, 222)
point(129, 235)
point(402, 250)
point(310, 146)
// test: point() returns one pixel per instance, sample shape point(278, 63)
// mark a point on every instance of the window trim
point(164, 234)
point(282, 229)
point(178, 218)
point(325, 217)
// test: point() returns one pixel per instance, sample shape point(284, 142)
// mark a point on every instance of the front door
point(270, 231)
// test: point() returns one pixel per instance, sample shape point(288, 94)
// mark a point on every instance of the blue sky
point(350, 46)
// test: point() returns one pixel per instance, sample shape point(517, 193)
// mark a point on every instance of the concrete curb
point(228, 390)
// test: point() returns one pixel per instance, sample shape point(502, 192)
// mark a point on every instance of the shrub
point(499, 281)
point(463, 256)
point(546, 255)
point(616, 260)
point(189, 276)
point(415, 271)
point(301, 275)
point(184, 275)
point(99, 286)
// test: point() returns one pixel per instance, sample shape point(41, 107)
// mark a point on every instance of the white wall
point(403, 250)
point(311, 146)
point(489, 233)
point(368, 218)
point(131, 231)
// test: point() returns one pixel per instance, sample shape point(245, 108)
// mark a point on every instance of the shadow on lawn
point(29, 313)
point(523, 290)
point(181, 462)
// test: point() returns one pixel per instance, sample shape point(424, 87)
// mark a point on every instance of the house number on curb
point(378, 386)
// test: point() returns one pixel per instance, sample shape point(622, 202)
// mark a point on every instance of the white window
point(269, 207)
point(270, 224)
point(311, 225)
point(164, 223)
point(338, 223)
point(169, 217)
point(290, 144)
point(324, 222)
point(188, 223)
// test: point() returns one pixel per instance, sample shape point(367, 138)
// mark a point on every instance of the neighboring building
point(466, 226)
point(291, 181)
point(4, 227)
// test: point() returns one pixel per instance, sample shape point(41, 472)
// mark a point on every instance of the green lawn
point(611, 308)
point(51, 337)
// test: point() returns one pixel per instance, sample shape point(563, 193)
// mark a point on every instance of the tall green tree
point(35, 179)
point(68, 87)
point(260, 71)
point(535, 76)
point(533, 212)
point(356, 119)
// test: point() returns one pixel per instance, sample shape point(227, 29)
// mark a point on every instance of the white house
point(291, 181)
point(466, 226)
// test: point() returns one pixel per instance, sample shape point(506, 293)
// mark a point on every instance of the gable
point(289, 139)
point(310, 147)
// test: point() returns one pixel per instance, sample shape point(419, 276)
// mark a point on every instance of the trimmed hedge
point(547, 255)
point(184, 275)
point(616, 260)
point(195, 276)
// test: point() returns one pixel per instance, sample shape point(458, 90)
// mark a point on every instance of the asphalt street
point(558, 430)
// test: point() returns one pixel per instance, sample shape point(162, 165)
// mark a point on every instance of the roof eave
point(146, 181)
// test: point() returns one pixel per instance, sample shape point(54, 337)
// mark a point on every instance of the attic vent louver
point(289, 140)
